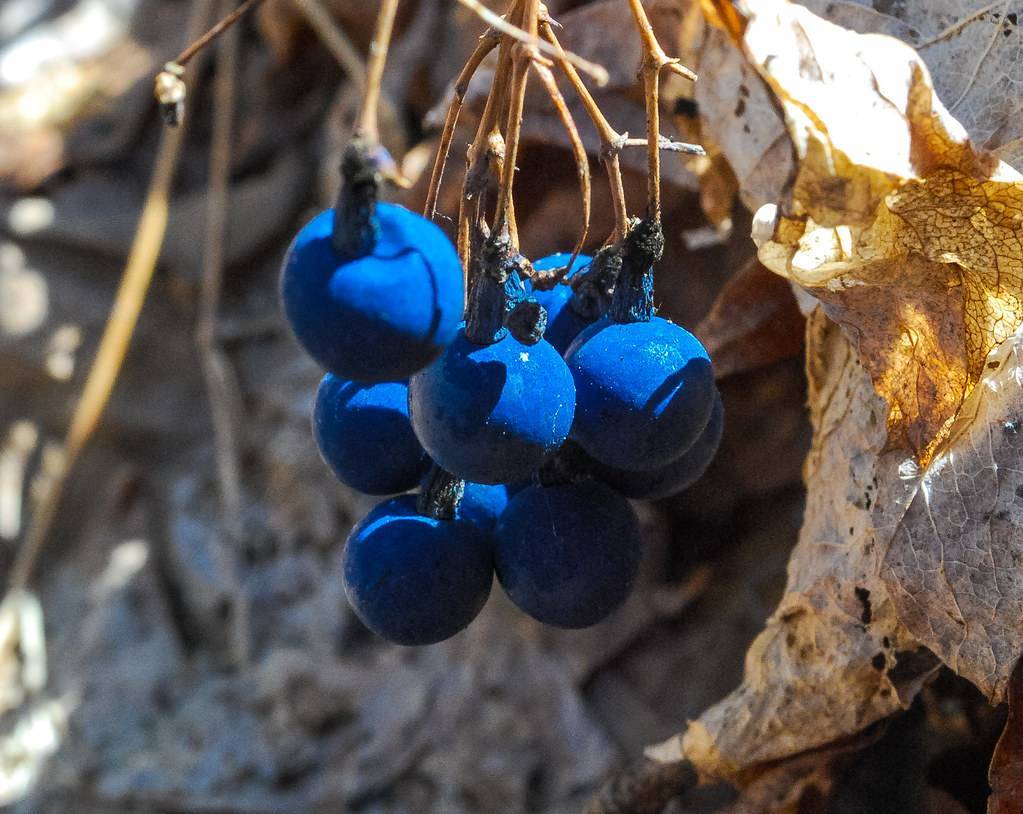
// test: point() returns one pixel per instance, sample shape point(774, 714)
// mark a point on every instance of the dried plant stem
point(666, 144)
point(597, 72)
point(486, 145)
point(367, 122)
point(124, 314)
point(654, 59)
point(221, 381)
point(652, 93)
point(201, 42)
point(522, 56)
point(609, 138)
point(486, 44)
point(582, 161)
point(335, 40)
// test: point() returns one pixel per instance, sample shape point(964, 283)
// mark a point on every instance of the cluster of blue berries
point(525, 426)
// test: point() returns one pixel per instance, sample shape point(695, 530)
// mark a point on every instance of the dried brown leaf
point(753, 323)
point(909, 238)
point(972, 50)
point(834, 656)
point(954, 566)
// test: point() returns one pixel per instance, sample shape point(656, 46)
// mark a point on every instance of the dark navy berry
point(482, 504)
point(564, 322)
point(568, 555)
point(676, 476)
point(380, 317)
point(414, 580)
point(492, 413)
point(644, 392)
point(365, 437)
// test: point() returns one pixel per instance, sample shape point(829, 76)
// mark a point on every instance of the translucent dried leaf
point(908, 237)
point(834, 656)
point(954, 566)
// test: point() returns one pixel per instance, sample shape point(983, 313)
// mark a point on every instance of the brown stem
point(367, 126)
point(522, 56)
point(654, 59)
point(214, 32)
point(609, 138)
point(582, 161)
point(598, 72)
point(481, 150)
point(221, 380)
point(117, 334)
point(486, 44)
point(651, 92)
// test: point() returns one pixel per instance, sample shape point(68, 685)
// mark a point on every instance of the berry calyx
point(381, 316)
point(564, 320)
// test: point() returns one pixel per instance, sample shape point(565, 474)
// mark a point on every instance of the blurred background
point(185, 645)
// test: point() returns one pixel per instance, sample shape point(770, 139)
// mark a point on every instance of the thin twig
point(221, 382)
point(666, 144)
point(486, 145)
point(597, 72)
point(654, 59)
point(367, 126)
point(582, 161)
point(522, 57)
point(220, 379)
point(124, 314)
point(222, 26)
point(334, 39)
point(486, 44)
point(607, 134)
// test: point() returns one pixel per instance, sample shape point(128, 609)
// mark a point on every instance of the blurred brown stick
point(124, 314)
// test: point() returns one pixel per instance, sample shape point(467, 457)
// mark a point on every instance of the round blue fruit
point(482, 504)
point(414, 580)
point(568, 555)
point(563, 322)
point(492, 413)
point(644, 392)
point(376, 318)
point(675, 477)
point(365, 437)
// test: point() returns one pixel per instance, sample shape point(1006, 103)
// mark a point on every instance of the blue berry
point(564, 323)
point(414, 580)
point(676, 476)
point(482, 504)
point(644, 392)
point(568, 555)
point(380, 317)
point(492, 413)
point(365, 437)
